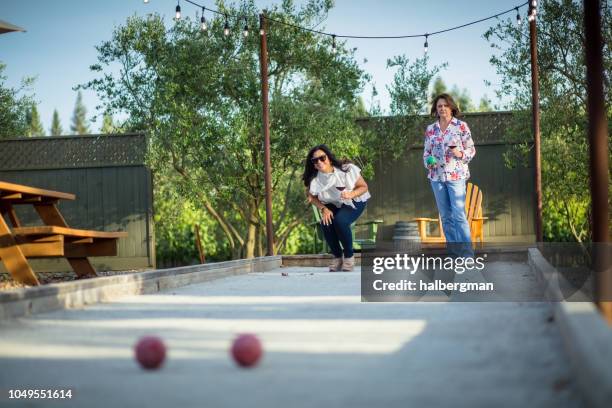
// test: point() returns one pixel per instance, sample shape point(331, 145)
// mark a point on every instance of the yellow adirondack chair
point(473, 212)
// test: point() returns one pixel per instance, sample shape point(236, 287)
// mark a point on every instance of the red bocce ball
point(247, 350)
point(150, 352)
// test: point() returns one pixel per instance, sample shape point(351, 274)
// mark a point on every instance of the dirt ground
point(45, 278)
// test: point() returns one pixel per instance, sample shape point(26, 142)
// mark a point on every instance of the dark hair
point(451, 103)
point(309, 169)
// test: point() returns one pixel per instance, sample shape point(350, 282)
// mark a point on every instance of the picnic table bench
point(53, 239)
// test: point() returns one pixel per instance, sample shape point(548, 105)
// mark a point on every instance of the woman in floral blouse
point(450, 143)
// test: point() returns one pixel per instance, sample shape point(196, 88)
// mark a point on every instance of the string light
point(245, 31)
point(532, 10)
point(146, 1)
point(203, 25)
point(532, 4)
point(226, 29)
point(261, 29)
point(178, 9)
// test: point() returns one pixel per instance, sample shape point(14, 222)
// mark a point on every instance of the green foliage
point(485, 104)
point(409, 98)
point(439, 87)
point(463, 99)
point(175, 219)
point(107, 124)
point(300, 241)
point(461, 96)
point(14, 106)
point(79, 125)
point(197, 96)
point(56, 126)
point(408, 91)
point(35, 127)
point(563, 124)
point(556, 226)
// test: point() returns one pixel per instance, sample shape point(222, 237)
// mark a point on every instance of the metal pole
point(598, 154)
point(263, 63)
point(535, 110)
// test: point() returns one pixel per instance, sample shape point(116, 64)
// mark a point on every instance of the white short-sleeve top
point(324, 186)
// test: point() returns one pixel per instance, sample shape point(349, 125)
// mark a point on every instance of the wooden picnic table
point(53, 239)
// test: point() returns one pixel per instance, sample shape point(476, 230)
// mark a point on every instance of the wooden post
point(199, 243)
point(535, 111)
point(263, 63)
point(598, 155)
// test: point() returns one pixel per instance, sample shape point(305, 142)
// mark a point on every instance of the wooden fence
point(113, 189)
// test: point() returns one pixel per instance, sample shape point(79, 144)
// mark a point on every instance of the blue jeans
point(339, 231)
point(450, 199)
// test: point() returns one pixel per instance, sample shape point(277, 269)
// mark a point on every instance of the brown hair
point(451, 102)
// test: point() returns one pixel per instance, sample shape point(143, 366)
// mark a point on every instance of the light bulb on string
point(532, 10)
point(178, 10)
point(226, 29)
point(146, 1)
point(203, 25)
point(333, 50)
point(426, 45)
point(245, 30)
point(261, 29)
point(518, 17)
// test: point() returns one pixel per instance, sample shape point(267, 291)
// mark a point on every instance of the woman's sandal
point(336, 265)
point(348, 264)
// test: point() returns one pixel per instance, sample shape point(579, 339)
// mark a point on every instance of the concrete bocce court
point(323, 346)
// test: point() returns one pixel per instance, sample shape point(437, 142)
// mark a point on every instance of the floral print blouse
point(449, 167)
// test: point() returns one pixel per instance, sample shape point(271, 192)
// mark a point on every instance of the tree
point(563, 93)
point(409, 98)
point(107, 124)
point(463, 99)
point(439, 87)
point(35, 127)
point(79, 124)
point(408, 90)
point(56, 126)
point(485, 104)
point(197, 96)
point(461, 96)
point(14, 106)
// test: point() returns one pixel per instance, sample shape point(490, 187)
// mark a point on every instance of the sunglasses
point(322, 158)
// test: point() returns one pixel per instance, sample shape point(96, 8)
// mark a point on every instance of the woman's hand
point(347, 195)
point(326, 216)
point(456, 152)
point(361, 187)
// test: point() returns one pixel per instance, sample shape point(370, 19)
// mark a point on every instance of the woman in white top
point(340, 193)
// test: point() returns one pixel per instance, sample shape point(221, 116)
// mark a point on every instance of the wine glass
point(452, 144)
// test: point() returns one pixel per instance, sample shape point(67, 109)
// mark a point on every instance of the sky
point(59, 43)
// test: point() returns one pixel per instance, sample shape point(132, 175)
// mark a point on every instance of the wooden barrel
point(406, 237)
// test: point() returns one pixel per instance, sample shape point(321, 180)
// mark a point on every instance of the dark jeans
point(339, 231)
